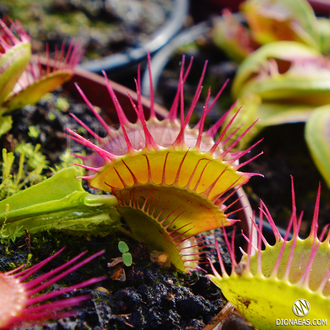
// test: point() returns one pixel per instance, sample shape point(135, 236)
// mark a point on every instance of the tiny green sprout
point(123, 247)
point(127, 257)
point(51, 116)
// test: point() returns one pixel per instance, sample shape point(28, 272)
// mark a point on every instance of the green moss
point(35, 159)
point(28, 171)
point(34, 132)
point(62, 104)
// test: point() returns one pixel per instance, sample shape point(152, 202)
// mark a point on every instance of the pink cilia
point(171, 181)
point(20, 304)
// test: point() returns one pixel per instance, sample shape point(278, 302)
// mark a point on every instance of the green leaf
point(271, 113)
point(127, 259)
point(122, 247)
point(317, 135)
point(285, 51)
point(60, 202)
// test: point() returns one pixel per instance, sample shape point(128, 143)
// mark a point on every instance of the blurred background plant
point(103, 27)
point(284, 71)
point(24, 81)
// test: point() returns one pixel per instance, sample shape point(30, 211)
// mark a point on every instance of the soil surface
point(145, 296)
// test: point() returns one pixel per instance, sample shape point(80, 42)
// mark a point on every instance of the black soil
point(149, 298)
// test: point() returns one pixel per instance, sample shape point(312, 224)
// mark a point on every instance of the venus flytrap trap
point(270, 286)
point(171, 181)
point(269, 21)
point(23, 81)
point(286, 82)
point(168, 181)
point(280, 83)
point(278, 20)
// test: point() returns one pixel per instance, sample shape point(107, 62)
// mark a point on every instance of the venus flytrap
point(168, 181)
point(284, 71)
point(276, 20)
point(286, 82)
point(171, 180)
point(266, 283)
point(23, 81)
point(279, 83)
point(269, 21)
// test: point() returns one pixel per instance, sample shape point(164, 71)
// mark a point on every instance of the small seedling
point(127, 257)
